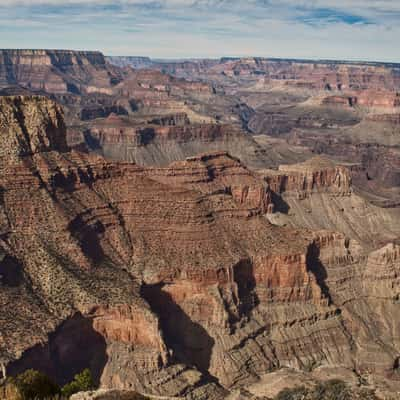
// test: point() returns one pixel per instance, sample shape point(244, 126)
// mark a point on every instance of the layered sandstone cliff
point(367, 99)
point(56, 71)
point(318, 194)
point(305, 74)
point(171, 281)
point(301, 180)
point(168, 138)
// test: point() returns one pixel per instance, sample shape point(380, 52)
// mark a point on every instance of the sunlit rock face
point(56, 71)
point(172, 279)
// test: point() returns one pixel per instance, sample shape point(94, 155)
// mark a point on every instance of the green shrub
point(332, 390)
point(34, 385)
point(82, 382)
point(298, 393)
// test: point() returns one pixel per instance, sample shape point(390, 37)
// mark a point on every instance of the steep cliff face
point(317, 174)
point(169, 138)
point(171, 281)
point(379, 98)
point(30, 126)
point(318, 194)
point(218, 173)
point(391, 118)
point(315, 75)
point(56, 71)
point(366, 99)
point(300, 74)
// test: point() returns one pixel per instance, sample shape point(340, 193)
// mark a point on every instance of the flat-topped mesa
point(328, 75)
point(379, 98)
point(340, 101)
point(388, 118)
point(30, 125)
point(149, 86)
point(55, 58)
point(57, 71)
point(171, 120)
point(367, 99)
point(317, 174)
point(116, 130)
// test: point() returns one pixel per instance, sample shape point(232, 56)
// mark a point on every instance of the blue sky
point(334, 29)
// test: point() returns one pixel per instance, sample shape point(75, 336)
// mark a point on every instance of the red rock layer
point(317, 75)
point(147, 85)
point(42, 118)
point(390, 118)
point(56, 71)
point(366, 98)
point(315, 175)
point(378, 98)
point(175, 272)
point(119, 133)
point(217, 173)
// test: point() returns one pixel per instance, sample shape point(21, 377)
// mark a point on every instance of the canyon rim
point(193, 226)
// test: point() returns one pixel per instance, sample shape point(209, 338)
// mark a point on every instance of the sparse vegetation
point(298, 393)
point(34, 385)
point(82, 382)
point(330, 390)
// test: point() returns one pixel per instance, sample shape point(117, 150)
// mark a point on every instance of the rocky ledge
point(315, 175)
point(171, 281)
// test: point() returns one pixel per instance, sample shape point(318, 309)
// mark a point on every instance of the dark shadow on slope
point(190, 342)
point(88, 237)
point(74, 346)
point(72, 88)
point(86, 176)
point(92, 142)
point(10, 270)
point(2, 192)
point(318, 269)
point(61, 181)
point(146, 136)
point(280, 205)
point(243, 275)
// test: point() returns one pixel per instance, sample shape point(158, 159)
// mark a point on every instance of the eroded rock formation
point(316, 174)
point(56, 71)
point(176, 271)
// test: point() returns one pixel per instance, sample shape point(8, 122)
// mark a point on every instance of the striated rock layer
point(171, 281)
point(302, 179)
point(57, 71)
point(167, 138)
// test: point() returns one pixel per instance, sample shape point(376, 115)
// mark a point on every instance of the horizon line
point(234, 57)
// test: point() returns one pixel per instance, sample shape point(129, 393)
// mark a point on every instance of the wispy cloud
point(363, 29)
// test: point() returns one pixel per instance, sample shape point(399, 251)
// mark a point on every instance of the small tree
point(334, 389)
point(298, 393)
point(82, 383)
point(33, 384)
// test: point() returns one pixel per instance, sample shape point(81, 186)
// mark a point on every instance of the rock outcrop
point(169, 138)
point(390, 118)
point(29, 127)
point(305, 74)
point(56, 71)
point(171, 281)
point(317, 174)
point(113, 395)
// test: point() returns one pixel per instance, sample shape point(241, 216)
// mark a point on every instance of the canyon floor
point(214, 229)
